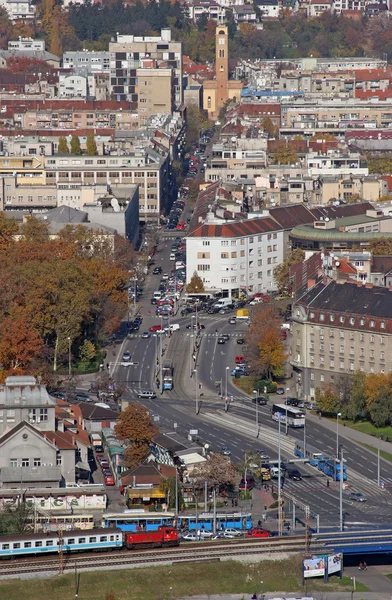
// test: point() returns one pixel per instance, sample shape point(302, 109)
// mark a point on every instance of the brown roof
point(241, 228)
point(381, 264)
point(62, 439)
point(149, 473)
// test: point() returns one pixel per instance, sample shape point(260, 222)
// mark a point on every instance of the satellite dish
point(327, 219)
point(337, 264)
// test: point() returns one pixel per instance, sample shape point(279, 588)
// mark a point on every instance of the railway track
point(192, 553)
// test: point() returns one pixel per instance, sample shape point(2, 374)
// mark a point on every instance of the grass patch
point(347, 581)
point(370, 429)
point(383, 454)
point(389, 577)
point(188, 579)
point(245, 384)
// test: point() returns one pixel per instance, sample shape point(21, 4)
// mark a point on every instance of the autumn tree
point(91, 145)
point(34, 230)
point(327, 399)
point(63, 145)
point(217, 470)
point(196, 121)
point(19, 340)
point(282, 271)
point(8, 229)
point(381, 246)
point(285, 155)
point(271, 353)
point(135, 427)
point(75, 145)
point(195, 285)
point(264, 318)
point(268, 126)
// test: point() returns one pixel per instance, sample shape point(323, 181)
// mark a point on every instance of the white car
point(190, 537)
point(205, 534)
point(146, 394)
point(126, 357)
point(232, 532)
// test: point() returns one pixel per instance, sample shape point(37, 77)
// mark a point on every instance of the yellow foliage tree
point(374, 383)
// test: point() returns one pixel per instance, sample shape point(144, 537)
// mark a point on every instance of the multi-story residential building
point(214, 10)
point(338, 187)
point(233, 256)
point(87, 63)
point(32, 115)
point(72, 86)
point(336, 162)
point(26, 44)
point(130, 53)
point(23, 10)
point(338, 328)
point(72, 174)
point(156, 94)
point(240, 159)
point(338, 6)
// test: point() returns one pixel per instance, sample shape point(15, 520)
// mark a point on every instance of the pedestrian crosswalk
point(188, 334)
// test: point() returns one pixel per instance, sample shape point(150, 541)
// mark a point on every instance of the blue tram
point(237, 520)
point(138, 520)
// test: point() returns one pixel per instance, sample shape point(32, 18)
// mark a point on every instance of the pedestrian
point(232, 502)
point(364, 566)
point(254, 597)
point(264, 517)
point(361, 566)
point(327, 483)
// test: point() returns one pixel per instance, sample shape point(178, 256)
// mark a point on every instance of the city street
point(195, 384)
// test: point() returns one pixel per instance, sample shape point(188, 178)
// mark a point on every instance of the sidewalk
point(374, 578)
point(320, 595)
point(351, 434)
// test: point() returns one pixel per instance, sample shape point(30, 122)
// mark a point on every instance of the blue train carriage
point(138, 520)
point(29, 544)
point(236, 520)
point(94, 539)
point(314, 456)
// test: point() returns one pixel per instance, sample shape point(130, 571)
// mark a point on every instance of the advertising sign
point(314, 567)
point(334, 563)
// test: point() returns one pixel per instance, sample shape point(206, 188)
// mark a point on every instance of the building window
point(322, 378)
point(332, 318)
point(25, 462)
point(341, 364)
point(43, 414)
point(371, 353)
point(59, 459)
point(13, 462)
point(382, 340)
point(312, 376)
point(341, 318)
point(311, 316)
point(10, 415)
point(362, 322)
point(361, 337)
point(382, 356)
point(352, 320)
point(382, 324)
point(332, 347)
point(36, 462)
point(372, 339)
point(224, 243)
point(206, 243)
point(372, 323)
point(332, 364)
point(352, 366)
point(322, 316)
point(352, 350)
point(341, 349)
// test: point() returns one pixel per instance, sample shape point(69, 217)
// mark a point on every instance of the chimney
point(134, 481)
point(311, 283)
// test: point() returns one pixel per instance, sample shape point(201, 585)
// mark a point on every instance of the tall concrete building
point(131, 53)
point(217, 92)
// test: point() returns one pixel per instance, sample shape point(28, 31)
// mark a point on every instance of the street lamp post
point(279, 482)
point(227, 370)
point(257, 413)
point(337, 433)
point(287, 425)
point(69, 358)
point(196, 394)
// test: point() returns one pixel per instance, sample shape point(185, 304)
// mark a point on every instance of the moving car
point(240, 341)
point(155, 328)
point(146, 334)
point(221, 340)
point(232, 321)
point(357, 497)
point(294, 474)
point(257, 533)
point(280, 391)
point(225, 451)
point(146, 394)
point(157, 271)
point(260, 400)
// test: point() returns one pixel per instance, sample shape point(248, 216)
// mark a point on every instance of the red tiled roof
point(363, 134)
point(20, 105)
point(373, 74)
point(255, 110)
point(365, 94)
point(54, 132)
point(388, 178)
point(346, 267)
point(239, 229)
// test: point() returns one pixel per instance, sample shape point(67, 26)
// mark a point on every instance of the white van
point(158, 295)
point(172, 256)
point(174, 327)
point(222, 302)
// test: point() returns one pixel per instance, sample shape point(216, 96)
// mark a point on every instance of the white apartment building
point(72, 86)
point(336, 163)
point(236, 256)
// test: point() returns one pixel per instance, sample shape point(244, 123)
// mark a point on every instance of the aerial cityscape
point(196, 300)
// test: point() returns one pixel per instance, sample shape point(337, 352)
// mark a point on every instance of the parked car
point(157, 271)
point(83, 397)
point(189, 537)
point(280, 391)
point(233, 532)
point(232, 321)
point(239, 360)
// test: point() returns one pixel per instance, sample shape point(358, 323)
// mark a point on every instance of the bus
point(295, 416)
point(65, 522)
point(138, 520)
point(312, 454)
point(223, 521)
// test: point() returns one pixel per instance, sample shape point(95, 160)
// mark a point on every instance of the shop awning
point(145, 493)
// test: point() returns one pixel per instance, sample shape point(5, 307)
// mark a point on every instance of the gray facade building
point(87, 63)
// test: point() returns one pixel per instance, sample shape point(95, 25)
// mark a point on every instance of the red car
point(109, 480)
point(257, 533)
point(240, 360)
point(155, 328)
point(180, 225)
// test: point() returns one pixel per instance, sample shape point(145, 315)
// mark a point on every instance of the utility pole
point(196, 394)
point(341, 491)
point(280, 524)
point(176, 496)
point(61, 551)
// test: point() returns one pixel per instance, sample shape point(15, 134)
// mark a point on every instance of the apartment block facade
point(338, 328)
point(236, 256)
point(130, 53)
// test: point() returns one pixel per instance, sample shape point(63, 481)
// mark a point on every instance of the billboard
point(314, 567)
point(334, 563)
point(322, 566)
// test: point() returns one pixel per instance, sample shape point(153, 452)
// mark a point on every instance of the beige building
point(338, 328)
point(155, 90)
point(333, 187)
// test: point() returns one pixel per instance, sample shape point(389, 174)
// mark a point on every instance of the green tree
point(87, 351)
point(282, 271)
point(356, 406)
point(8, 229)
point(91, 145)
point(63, 146)
point(327, 400)
point(195, 285)
point(216, 470)
point(196, 120)
point(75, 145)
point(15, 519)
point(267, 125)
point(168, 487)
point(34, 230)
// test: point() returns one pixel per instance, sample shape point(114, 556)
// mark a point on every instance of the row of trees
point(360, 396)
point(56, 292)
point(75, 147)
